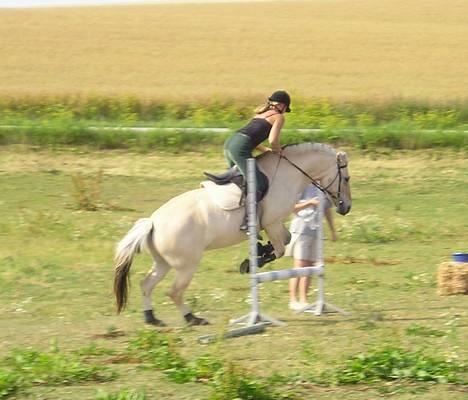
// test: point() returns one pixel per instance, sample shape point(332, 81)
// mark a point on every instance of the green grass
point(56, 279)
point(307, 113)
point(394, 136)
point(57, 122)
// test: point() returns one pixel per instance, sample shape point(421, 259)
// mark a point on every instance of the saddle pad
point(227, 197)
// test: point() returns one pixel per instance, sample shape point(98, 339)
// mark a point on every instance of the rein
point(325, 190)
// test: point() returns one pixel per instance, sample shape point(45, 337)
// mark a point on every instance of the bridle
point(336, 197)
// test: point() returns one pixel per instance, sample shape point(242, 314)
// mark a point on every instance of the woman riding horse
point(180, 230)
point(267, 123)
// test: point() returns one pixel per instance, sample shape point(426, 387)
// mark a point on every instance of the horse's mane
point(298, 148)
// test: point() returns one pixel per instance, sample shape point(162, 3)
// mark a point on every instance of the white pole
point(320, 258)
point(254, 317)
point(252, 226)
point(282, 274)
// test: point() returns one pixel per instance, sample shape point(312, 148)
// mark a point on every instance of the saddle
point(228, 190)
point(230, 182)
point(232, 175)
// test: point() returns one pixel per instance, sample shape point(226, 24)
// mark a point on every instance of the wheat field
point(339, 49)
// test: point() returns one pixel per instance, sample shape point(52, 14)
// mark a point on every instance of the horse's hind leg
point(182, 280)
point(154, 276)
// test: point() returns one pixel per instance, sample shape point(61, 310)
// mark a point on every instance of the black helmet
point(281, 97)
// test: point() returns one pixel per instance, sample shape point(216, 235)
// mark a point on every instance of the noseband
point(336, 198)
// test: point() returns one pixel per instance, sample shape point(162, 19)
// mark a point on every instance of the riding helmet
point(281, 96)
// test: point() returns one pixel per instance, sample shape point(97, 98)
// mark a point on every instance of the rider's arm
point(274, 136)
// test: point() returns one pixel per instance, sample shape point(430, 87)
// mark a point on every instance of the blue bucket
point(460, 257)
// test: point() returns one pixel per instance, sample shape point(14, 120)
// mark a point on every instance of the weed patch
point(160, 351)
point(227, 380)
point(156, 350)
point(10, 383)
point(30, 367)
point(232, 382)
point(124, 394)
point(393, 363)
point(420, 330)
point(87, 191)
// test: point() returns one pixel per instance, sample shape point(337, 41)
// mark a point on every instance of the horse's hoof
point(193, 320)
point(261, 261)
point(150, 319)
point(244, 266)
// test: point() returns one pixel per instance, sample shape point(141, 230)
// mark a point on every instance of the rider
point(266, 124)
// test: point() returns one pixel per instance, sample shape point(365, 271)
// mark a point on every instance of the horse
point(177, 234)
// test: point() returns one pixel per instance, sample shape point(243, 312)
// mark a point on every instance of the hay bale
point(452, 278)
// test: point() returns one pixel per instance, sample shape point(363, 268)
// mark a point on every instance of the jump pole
point(254, 317)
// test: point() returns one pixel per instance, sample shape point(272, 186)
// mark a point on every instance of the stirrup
point(247, 232)
point(244, 225)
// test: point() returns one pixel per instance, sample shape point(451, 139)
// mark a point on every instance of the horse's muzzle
point(342, 208)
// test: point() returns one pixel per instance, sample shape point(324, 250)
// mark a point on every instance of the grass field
point(343, 50)
point(375, 76)
point(56, 279)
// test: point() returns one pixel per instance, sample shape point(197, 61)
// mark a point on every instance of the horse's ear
point(341, 159)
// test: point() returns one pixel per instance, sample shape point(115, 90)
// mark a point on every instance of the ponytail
point(266, 106)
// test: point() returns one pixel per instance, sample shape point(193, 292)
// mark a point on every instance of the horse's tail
point(133, 242)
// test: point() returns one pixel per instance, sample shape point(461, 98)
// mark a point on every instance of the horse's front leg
point(279, 237)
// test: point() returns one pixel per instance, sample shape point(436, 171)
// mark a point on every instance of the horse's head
point(321, 165)
point(336, 184)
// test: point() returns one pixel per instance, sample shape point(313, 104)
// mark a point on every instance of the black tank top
point(257, 130)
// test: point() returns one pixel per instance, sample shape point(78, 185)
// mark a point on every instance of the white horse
point(180, 230)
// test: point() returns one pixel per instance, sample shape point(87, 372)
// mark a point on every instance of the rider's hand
point(279, 152)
